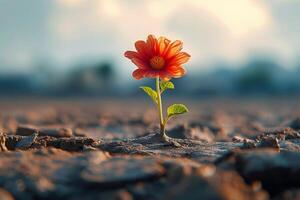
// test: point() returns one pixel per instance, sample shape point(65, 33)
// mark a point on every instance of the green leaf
point(150, 92)
point(176, 109)
point(164, 85)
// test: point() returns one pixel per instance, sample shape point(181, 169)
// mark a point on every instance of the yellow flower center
point(157, 62)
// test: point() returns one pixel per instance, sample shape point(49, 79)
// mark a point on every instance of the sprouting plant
point(160, 59)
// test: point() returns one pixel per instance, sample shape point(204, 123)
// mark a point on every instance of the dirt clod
point(26, 142)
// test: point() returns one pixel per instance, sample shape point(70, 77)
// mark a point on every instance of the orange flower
point(158, 58)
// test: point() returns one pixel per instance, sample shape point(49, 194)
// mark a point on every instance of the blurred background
point(75, 47)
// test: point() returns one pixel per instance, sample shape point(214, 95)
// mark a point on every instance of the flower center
point(157, 62)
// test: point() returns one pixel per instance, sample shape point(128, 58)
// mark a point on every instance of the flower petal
point(166, 78)
point(162, 45)
point(164, 75)
point(176, 71)
point(152, 73)
point(142, 48)
point(152, 45)
point(140, 63)
point(138, 74)
point(173, 48)
point(179, 59)
point(132, 54)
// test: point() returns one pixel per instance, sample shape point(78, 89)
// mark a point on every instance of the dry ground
point(107, 149)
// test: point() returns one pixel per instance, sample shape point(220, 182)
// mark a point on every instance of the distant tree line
point(257, 77)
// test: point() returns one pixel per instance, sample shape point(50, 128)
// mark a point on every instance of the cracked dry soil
point(232, 150)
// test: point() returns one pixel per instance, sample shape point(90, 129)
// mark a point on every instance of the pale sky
point(66, 32)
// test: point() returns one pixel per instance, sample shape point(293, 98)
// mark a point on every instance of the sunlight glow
point(240, 16)
point(212, 30)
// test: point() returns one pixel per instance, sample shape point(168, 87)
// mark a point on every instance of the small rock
point(26, 142)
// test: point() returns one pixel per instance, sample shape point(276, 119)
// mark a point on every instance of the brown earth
point(109, 149)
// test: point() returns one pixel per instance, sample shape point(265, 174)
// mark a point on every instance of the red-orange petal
point(131, 54)
point(140, 63)
point(164, 75)
point(166, 78)
point(138, 74)
point(152, 44)
point(173, 48)
point(142, 48)
point(152, 74)
point(162, 45)
point(179, 58)
point(176, 71)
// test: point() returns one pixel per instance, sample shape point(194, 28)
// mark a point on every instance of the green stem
point(159, 107)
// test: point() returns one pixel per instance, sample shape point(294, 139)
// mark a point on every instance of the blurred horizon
point(80, 45)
